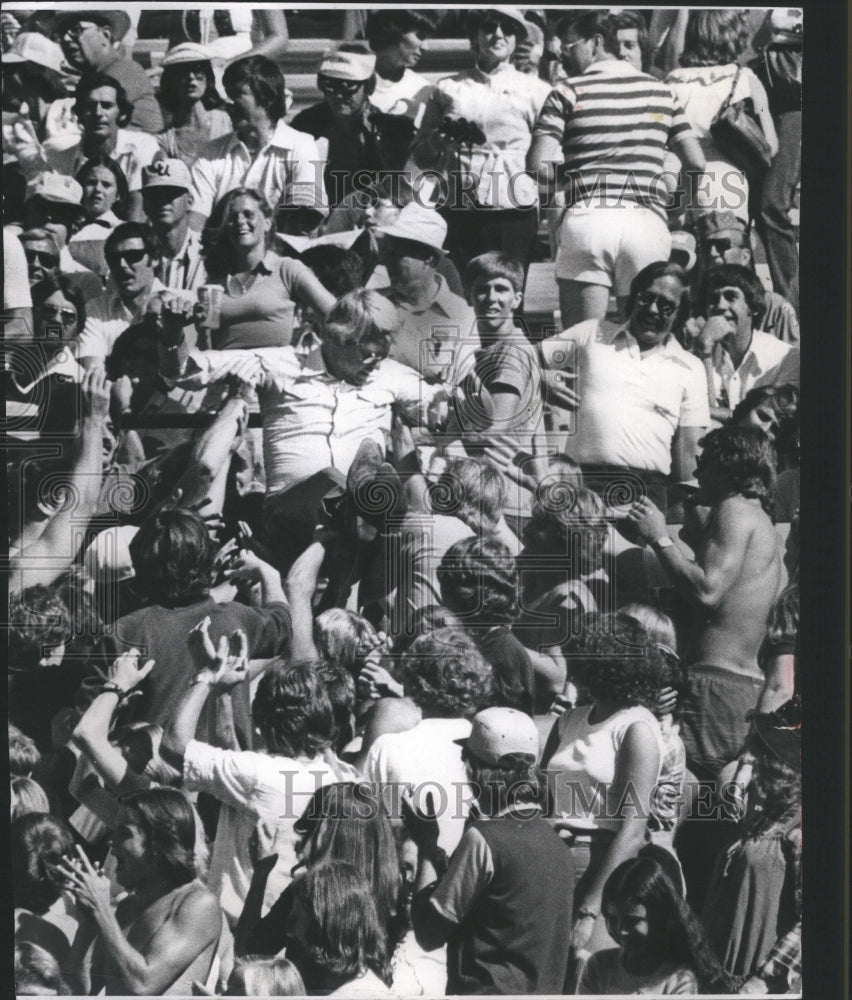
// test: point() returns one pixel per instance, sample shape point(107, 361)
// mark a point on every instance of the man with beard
point(263, 152)
point(641, 399)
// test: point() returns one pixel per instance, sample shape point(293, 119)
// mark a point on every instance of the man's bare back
point(740, 537)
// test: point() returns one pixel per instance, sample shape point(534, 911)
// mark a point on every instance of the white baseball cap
point(499, 732)
point(166, 173)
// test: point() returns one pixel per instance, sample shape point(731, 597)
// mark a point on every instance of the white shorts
point(610, 246)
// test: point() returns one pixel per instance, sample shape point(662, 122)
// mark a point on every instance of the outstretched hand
point(91, 888)
point(126, 673)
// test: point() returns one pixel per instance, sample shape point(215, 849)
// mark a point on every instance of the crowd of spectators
point(403, 504)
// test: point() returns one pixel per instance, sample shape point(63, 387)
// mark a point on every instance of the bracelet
point(110, 688)
point(585, 912)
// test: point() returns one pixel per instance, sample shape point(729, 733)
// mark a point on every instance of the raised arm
point(85, 484)
point(300, 585)
point(211, 456)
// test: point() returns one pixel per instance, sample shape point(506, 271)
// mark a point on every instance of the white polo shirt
point(287, 170)
point(631, 402)
point(768, 361)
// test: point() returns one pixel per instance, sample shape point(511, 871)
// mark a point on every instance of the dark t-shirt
point(513, 668)
point(160, 634)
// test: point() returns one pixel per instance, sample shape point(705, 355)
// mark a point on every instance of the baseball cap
point(33, 47)
point(354, 66)
point(716, 222)
point(420, 225)
point(499, 732)
point(58, 188)
point(167, 173)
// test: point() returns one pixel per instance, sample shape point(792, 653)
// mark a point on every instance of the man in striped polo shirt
point(610, 125)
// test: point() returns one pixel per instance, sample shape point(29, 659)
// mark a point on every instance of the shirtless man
point(165, 934)
point(733, 579)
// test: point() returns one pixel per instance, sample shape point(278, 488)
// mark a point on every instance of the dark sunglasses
point(345, 88)
point(491, 24)
point(665, 307)
point(128, 256)
point(43, 257)
point(192, 69)
point(67, 316)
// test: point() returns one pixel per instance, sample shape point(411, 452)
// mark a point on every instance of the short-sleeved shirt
point(407, 96)
point(614, 124)
point(768, 361)
point(287, 171)
point(604, 975)
point(632, 402)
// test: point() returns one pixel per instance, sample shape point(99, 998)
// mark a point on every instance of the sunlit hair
point(265, 81)
point(494, 264)
point(348, 822)
point(478, 578)
point(424, 621)
point(216, 246)
point(120, 205)
point(474, 491)
point(588, 23)
point(344, 638)
point(661, 631)
point(714, 37)
point(260, 976)
point(734, 276)
point(37, 972)
point(293, 710)
point(581, 524)
point(674, 929)
point(364, 317)
point(171, 95)
point(627, 19)
point(39, 842)
point(38, 618)
point(167, 822)
point(649, 274)
point(27, 796)
point(615, 661)
point(446, 676)
point(172, 556)
point(24, 756)
point(744, 456)
point(343, 928)
point(94, 80)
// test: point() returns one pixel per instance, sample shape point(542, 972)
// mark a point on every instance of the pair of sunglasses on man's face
point(665, 307)
point(43, 257)
point(490, 24)
point(131, 257)
point(340, 88)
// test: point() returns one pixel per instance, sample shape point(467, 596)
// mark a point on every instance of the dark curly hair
point(167, 821)
point(39, 842)
point(746, 458)
point(580, 523)
point(674, 928)
point(172, 556)
point(38, 619)
point(783, 401)
point(734, 276)
point(446, 676)
point(479, 581)
point(614, 660)
point(293, 710)
point(386, 27)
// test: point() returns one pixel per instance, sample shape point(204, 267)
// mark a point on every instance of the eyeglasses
point(131, 257)
point(490, 24)
point(77, 28)
point(340, 88)
point(42, 257)
point(665, 307)
point(191, 69)
point(66, 316)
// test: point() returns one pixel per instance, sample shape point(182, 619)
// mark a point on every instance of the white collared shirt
point(427, 339)
point(107, 317)
point(185, 271)
point(768, 361)
point(312, 420)
point(287, 171)
point(631, 402)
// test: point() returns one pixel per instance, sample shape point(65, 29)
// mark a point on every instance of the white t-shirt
point(406, 96)
point(427, 758)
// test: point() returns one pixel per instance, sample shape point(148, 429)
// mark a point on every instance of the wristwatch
point(663, 542)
